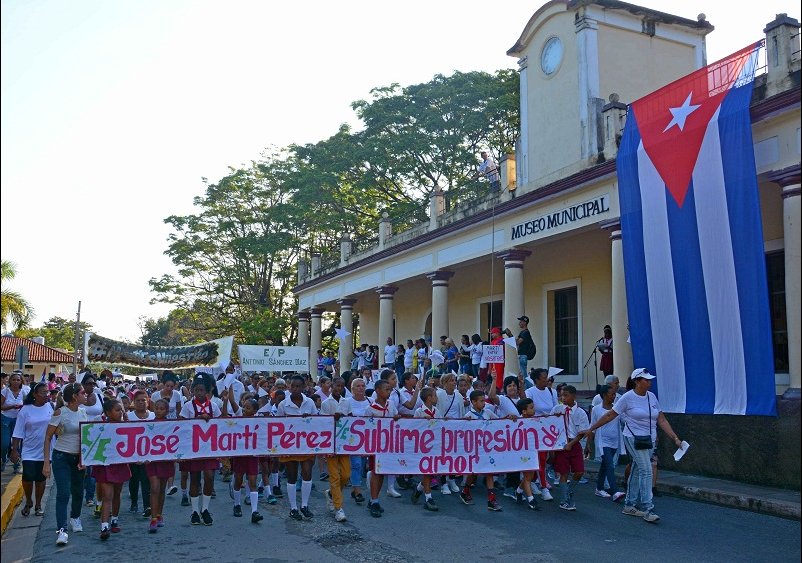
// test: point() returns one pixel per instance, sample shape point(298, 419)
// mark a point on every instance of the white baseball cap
point(641, 373)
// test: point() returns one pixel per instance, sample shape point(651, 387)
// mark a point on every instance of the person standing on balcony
point(489, 170)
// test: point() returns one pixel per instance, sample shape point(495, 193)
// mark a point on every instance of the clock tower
point(572, 55)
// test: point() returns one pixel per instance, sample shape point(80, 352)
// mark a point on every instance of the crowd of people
point(44, 438)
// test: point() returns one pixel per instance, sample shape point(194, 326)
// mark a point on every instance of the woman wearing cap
point(642, 416)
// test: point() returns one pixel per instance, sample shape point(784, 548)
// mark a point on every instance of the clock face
point(552, 55)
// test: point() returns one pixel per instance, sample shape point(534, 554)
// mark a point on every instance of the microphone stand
point(595, 365)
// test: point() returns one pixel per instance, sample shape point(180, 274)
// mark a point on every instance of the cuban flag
point(694, 261)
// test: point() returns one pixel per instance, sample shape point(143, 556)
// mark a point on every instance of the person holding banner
point(201, 407)
point(111, 477)
point(339, 466)
point(244, 465)
point(570, 460)
point(496, 370)
point(380, 407)
point(298, 404)
point(159, 472)
point(479, 412)
point(358, 405)
point(427, 410)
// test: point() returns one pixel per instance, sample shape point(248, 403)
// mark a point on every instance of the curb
point(772, 507)
point(11, 499)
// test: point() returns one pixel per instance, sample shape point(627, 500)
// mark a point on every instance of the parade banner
point(437, 446)
point(104, 443)
point(104, 350)
point(274, 358)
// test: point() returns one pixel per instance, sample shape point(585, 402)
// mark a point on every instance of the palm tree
point(12, 305)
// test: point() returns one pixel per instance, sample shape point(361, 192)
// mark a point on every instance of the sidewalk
point(755, 498)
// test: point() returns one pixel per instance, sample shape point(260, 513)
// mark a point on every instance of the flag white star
point(681, 113)
point(341, 333)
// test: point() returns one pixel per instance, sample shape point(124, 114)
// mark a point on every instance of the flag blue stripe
point(689, 281)
point(743, 204)
point(640, 324)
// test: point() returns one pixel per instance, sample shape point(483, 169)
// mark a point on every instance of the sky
point(114, 111)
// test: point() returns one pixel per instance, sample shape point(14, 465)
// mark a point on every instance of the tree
point(13, 307)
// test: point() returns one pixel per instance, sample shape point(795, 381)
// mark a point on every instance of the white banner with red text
point(404, 446)
point(419, 446)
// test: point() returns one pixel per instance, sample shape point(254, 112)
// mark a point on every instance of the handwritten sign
point(493, 353)
point(436, 446)
point(103, 443)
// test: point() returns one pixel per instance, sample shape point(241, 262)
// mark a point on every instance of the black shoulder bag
point(644, 442)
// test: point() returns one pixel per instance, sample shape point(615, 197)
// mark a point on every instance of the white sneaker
point(339, 516)
point(329, 501)
point(617, 496)
point(75, 524)
point(602, 494)
point(546, 495)
point(445, 489)
point(453, 486)
point(391, 492)
point(62, 537)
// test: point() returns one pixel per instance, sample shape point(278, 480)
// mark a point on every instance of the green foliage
point(57, 332)
point(13, 306)
point(236, 257)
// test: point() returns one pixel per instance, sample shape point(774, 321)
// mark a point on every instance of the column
point(513, 300)
point(316, 340)
point(439, 304)
point(347, 323)
point(789, 180)
point(303, 328)
point(622, 351)
point(386, 293)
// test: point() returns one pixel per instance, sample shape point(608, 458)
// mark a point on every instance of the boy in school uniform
point(479, 412)
point(571, 458)
point(380, 407)
point(339, 466)
point(298, 404)
point(427, 410)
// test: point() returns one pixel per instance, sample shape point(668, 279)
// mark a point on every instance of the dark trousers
point(139, 478)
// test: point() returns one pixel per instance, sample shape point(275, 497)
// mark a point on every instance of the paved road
point(597, 532)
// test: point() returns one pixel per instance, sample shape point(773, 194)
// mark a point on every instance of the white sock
point(254, 501)
point(292, 496)
point(529, 498)
point(114, 519)
point(237, 496)
point(390, 482)
point(274, 479)
point(104, 526)
point(205, 500)
point(427, 496)
point(306, 490)
point(195, 501)
point(419, 487)
point(519, 490)
point(183, 492)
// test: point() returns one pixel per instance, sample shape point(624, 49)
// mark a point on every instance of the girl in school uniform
point(159, 473)
point(139, 477)
point(201, 406)
point(110, 478)
point(427, 410)
point(244, 465)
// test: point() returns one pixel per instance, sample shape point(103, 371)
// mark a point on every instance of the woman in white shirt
point(169, 393)
point(66, 468)
point(11, 399)
point(607, 444)
point(29, 434)
point(477, 349)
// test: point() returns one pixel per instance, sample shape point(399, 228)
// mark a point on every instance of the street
point(597, 531)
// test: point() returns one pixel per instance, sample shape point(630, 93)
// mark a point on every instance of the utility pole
point(77, 335)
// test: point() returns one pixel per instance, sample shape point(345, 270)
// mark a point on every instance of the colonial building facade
point(549, 244)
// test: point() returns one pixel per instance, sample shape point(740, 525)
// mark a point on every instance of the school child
point(159, 473)
point(427, 410)
point(571, 458)
point(202, 407)
point(339, 466)
point(245, 465)
point(380, 407)
point(479, 412)
point(298, 404)
point(110, 478)
point(139, 478)
point(526, 408)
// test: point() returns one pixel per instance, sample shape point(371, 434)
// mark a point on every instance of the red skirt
point(245, 465)
point(195, 465)
point(116, 473)
point(160, 469)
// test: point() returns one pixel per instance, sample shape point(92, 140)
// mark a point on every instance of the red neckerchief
point(430, 412)
point(202, 408)
point(382, 409)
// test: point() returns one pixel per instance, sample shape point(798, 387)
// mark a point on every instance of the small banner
point(437, 446)
point(104, 443)
point(493, 353)
point(274, 358)
point(104, 350)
